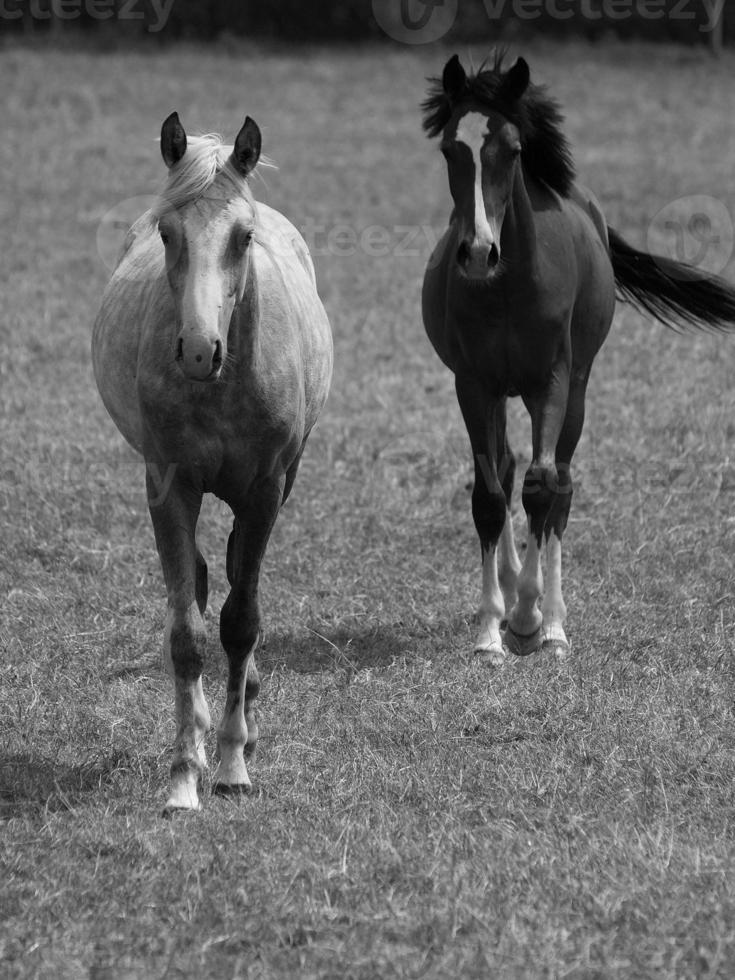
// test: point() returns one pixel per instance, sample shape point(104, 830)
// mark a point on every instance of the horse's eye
point(241, 238)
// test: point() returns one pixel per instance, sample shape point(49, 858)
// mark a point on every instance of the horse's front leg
point(484, 416)
point(237, 733)
point(540, 492)
point(174, 516)
point(553, 608)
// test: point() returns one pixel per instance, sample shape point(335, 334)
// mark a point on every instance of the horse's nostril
point(180, 350)
point(199, 358)
point(463, 254)
point(217, 359)
point(493, 256)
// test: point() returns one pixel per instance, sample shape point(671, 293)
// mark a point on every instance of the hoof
point(554, 643)
point(559, 651)
point(172, 807)
point(522, 646)
point(183, 796)
point(234, 791)
point(490, 656)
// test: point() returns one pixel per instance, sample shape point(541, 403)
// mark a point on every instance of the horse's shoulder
point(276, 233)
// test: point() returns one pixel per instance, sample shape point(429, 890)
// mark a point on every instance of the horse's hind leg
point(174, 522)
point(237, 733)
point(201, 586)
point(291, 474)
point(509, 564)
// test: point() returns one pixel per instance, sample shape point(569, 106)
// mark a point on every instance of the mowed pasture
point(414, 814)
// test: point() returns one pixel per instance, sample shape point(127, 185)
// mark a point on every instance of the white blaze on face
point(472, 131)
point(203, 289)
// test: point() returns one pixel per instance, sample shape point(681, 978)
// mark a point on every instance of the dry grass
point(415, 815)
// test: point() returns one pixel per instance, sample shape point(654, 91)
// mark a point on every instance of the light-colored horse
point(213, 355)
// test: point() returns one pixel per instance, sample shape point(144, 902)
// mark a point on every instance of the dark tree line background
point(353, 20)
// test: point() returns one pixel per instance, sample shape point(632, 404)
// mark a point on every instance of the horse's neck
point(518, 239)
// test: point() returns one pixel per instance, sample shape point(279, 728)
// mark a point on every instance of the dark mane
point(546, 153)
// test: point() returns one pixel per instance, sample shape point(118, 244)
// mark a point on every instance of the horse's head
point(482, 146)
point(206, 226)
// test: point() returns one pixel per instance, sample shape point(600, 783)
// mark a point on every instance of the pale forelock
point(205, 158)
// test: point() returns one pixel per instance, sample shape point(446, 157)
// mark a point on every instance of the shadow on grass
point(312, 651)
point(335, 649)
point(30, 785)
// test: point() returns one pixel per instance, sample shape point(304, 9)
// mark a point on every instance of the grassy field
point(415, 815)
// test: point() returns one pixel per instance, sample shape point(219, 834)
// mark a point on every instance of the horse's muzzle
point(199, 357)
point(478, 260)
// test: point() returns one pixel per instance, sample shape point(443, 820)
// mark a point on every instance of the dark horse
point(518, 298)
point(213, 355)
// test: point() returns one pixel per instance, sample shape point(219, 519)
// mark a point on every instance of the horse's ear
point(454, 78)
point(173, 140)
point(516, 81)
point(246, 151)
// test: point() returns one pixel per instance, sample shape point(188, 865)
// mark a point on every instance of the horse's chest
point(511, 349)
point(197, 441)
point(215, 440)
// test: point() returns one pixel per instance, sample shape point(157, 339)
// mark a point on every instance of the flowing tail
point(675, 293)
